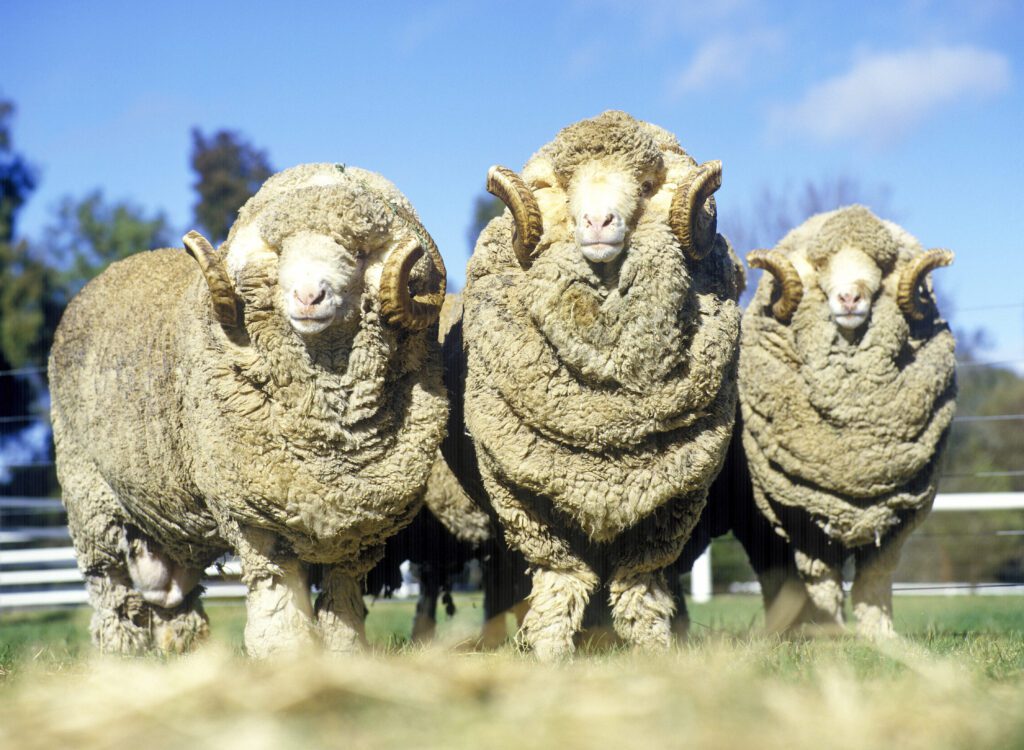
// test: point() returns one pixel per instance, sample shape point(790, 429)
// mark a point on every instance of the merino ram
point(281, 398)
point(600, 337)
point(847, 391)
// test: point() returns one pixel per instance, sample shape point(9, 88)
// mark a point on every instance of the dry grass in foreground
point(716, 693)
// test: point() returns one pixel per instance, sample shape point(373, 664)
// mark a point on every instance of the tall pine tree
point(229, 170)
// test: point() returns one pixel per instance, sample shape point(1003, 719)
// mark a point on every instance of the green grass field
point(955, 680)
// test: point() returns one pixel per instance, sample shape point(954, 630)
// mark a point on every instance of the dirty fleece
point(600, 416)
point(849, 431)
point(192, 433)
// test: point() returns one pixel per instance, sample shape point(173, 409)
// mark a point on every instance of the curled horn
point(693, 227)
point(786, 279)
point(912, 304)
point(398, 305)
point(505, 184)
point(222, 294)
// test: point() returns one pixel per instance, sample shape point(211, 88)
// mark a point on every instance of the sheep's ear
point(910, 302)
point(222, 293)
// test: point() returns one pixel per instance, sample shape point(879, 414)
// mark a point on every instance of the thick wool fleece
point(450, 504)
point(600, 418)
point(849, 431)
point(165, 421)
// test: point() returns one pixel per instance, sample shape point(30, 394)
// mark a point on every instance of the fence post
point(700, 578)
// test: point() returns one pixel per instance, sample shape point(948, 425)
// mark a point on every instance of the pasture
point(956, 680)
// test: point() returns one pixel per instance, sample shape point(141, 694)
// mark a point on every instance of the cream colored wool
point(848, 431)
point(448, 501)
point(288, 450)
point(600, 413)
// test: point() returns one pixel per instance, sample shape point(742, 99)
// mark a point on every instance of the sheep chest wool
point(600, 336)
point(281, 398)
point(847, 392)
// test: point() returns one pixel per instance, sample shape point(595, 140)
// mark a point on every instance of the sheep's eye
point(646, 187)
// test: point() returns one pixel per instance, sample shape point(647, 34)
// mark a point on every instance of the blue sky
point(921, 97)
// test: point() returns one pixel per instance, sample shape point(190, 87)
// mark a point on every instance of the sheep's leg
point(872, 583)
point(506, 586)
point(133, 616)
point(279, 613)
point(641, 601)
point(170, 589)
point(557, 603)
point(179, 630)
point(121, 619)
point(424, 623)
point(680, 622)
point(642, 608)
point(495, 628)
point(341, 612)
point(562, 582)
point(494, 631)
point(824, 586)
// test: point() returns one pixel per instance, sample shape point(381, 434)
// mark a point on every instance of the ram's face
point(319, 281)
point(850, 280)
point(600, 203)
point(605, 200)
point(583, 200)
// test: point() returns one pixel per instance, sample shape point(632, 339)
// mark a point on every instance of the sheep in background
point(847, 391)
point(281, 398)
point(451, 529)
point(600, 334)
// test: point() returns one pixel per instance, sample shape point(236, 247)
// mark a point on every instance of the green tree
point(25, 285)
point(90, 234)
point(17, 176)
point(31, 301)
point(24, 279)
point(485, 208)
point(229, 170)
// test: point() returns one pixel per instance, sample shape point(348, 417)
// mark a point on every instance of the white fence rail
point(701, 583)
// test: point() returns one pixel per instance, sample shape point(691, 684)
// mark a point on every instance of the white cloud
point(672, 16)
point(724, 58)
point(884, 96)
point(583, 61)
point(425, 22)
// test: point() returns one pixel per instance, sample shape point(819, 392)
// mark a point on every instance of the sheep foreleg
point(341, 612)
point(642, 609)
point(556, 610)
point(279, 614)
point(824, 584)
point(872, 584)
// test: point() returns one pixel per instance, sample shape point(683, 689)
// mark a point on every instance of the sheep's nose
point(312, 294)
point(849, 299)
point(599, 222)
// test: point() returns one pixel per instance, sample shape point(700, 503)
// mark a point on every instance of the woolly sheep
point(281, 398)
point(600, 332)
point(847, 392)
